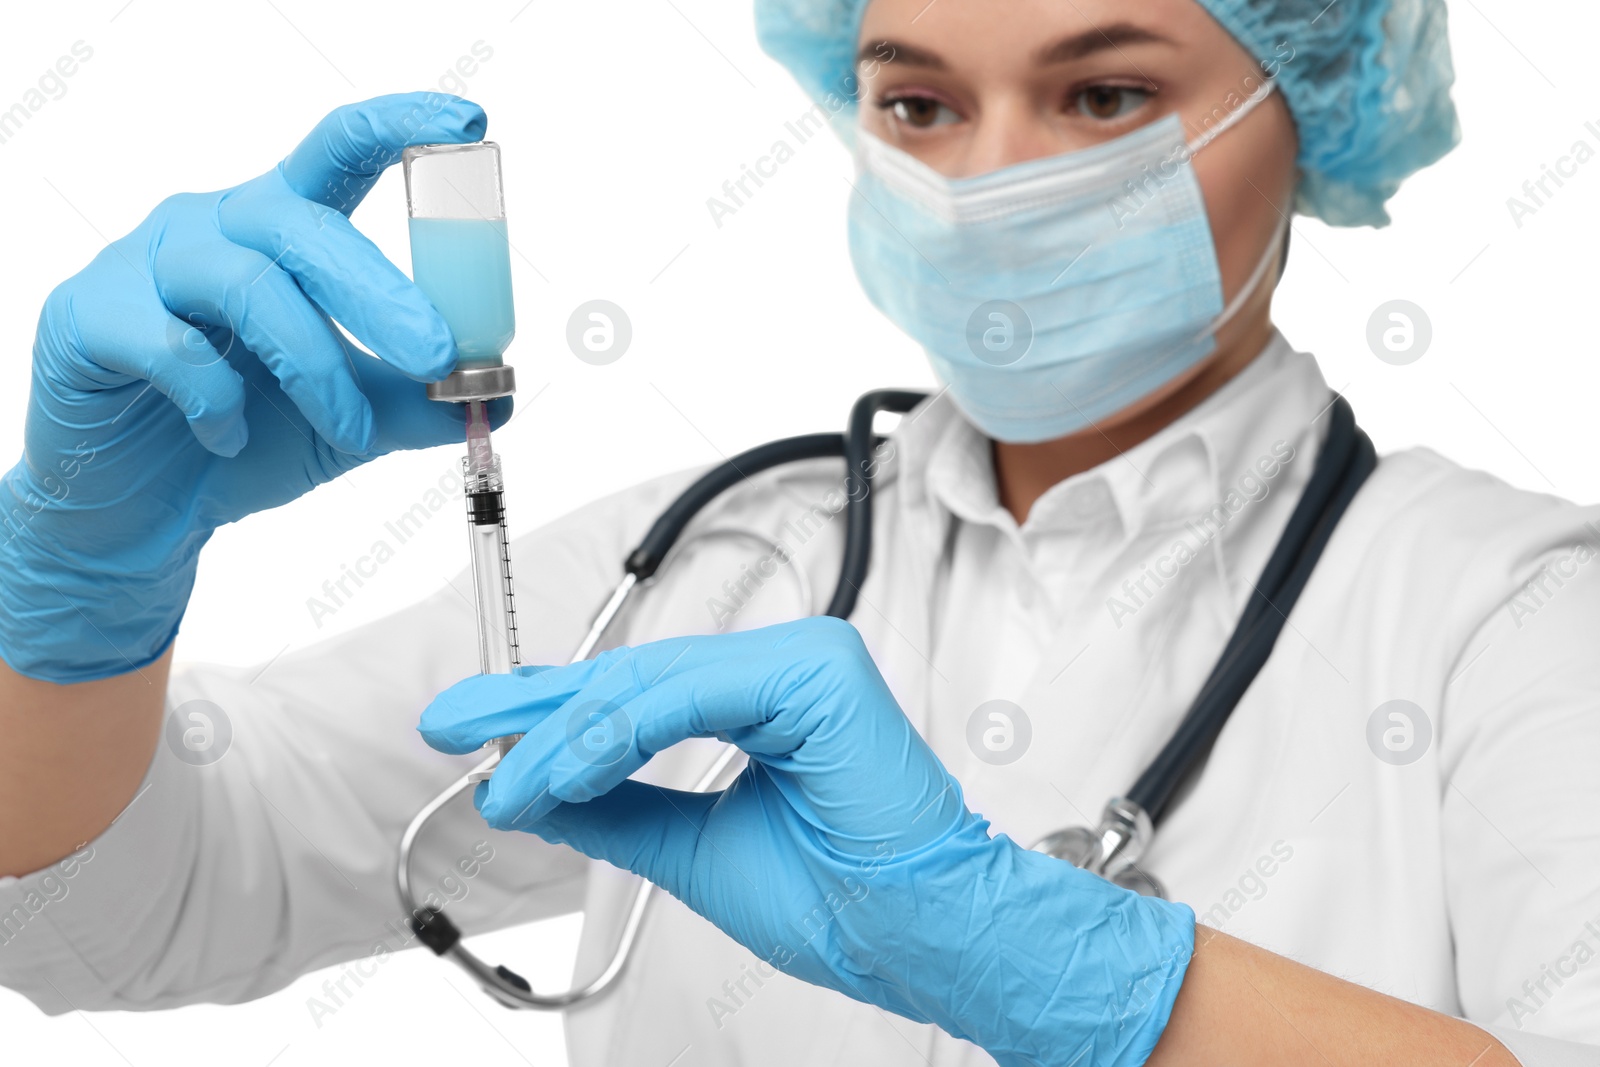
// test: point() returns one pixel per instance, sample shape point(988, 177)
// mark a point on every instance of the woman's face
point(970, 86)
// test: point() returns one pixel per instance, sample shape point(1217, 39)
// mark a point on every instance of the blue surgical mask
point(1053, 293)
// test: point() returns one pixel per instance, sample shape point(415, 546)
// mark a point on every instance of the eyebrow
point(1074, 47)
point(899, 53)
point(1097, 40)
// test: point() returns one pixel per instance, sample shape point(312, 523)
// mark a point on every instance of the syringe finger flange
point(500, 746)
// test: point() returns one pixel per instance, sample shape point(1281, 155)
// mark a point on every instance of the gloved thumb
point(646, 829)
point(342, 158)
point(405, 418)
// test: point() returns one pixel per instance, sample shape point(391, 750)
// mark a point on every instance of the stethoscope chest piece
point(1112, 849)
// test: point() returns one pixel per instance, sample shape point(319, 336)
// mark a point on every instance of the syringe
point(460, 258)
point(493, 596)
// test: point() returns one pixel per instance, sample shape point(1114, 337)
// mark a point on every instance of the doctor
point(1388, 856)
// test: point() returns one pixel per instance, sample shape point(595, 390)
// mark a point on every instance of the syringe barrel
point(498, 652)
point(495, 651)
point(492, 596)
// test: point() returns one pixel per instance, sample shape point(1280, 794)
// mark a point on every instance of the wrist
point(1100, 966)
point(80, 597)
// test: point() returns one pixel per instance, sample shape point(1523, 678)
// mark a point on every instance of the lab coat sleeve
point(225, 882)
point(1520, 795)
point(1534, 1050)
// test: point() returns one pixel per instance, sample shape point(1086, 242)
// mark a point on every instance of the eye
point(1105, 103)
point(920, 112)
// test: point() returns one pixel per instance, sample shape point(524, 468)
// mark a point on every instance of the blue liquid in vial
point(464, 267)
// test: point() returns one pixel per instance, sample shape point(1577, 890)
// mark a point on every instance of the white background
point(618, 121)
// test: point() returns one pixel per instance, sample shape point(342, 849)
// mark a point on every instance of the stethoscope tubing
point(1346, 459)
point(1343, 464)
point(856, 445)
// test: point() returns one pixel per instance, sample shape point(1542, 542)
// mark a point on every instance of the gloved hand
point(191, 375)
point(843, 854)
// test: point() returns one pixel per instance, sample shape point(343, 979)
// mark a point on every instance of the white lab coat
point(1465, 880)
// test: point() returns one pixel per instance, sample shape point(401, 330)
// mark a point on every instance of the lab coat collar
point(1176, 476)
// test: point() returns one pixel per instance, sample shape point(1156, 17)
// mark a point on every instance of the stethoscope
point(1111, 849)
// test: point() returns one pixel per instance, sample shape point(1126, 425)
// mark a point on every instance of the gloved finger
point(344, 154)
point(403, 414)
point(471, 712)
point(465, 716)
point(803, 698)
point(343, 273)
point(645, 829)
point(659, 694)
point(142, 340)
point(252, 298)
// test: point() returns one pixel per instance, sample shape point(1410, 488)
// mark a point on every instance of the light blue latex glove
point(190, 376)
point(843, 854)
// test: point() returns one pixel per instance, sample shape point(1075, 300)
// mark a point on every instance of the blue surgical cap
point(1367, 81)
